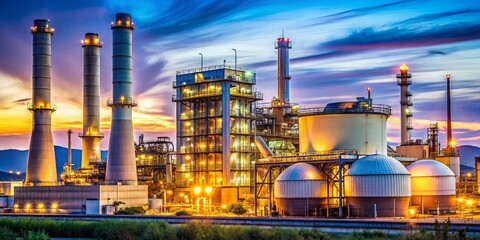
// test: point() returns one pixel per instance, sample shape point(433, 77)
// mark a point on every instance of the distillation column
point(279, 105)
point(41, 168)
point(91, 134)
point(404, 80)
point(121, 166)
point(282, 45)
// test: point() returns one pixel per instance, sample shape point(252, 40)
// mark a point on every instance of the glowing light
point(469, 174)
point(54, 205)
point(197, 190)
point(448, 76)
point(412, 211)
point(224, 206)
point(15, 206)
point(453, 143)
point(40, 206)
point(169, 192)
point(460, 200)
point(28, 206)
point(208, 190)
point(369, 89)
point(469, 202)
point(182, 194)
point(404, 68)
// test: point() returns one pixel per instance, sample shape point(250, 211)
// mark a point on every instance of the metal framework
point(333, 164)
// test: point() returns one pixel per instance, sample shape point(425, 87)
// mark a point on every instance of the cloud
point(394, 38)
point(437, 16)
point(356, 12)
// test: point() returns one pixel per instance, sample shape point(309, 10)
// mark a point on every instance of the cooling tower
point(121, 167)
point(41, 169)
point(91, 134)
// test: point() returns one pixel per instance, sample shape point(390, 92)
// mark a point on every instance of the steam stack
point(450, 142)
point(121, 167)
point(283, 44)
point(91, 134)
point(41, 168)
point(404, 80)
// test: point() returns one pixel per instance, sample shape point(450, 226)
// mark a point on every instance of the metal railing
point(374, 108)
point(88, 134)
point(255, 95)
point(126, 101)
point(33, 107)
point(208, 68)
point(317, 156)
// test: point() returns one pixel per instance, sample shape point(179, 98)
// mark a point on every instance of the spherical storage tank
point(344, 126)
point(377, 186)
point(433, 185)
point(299, 188)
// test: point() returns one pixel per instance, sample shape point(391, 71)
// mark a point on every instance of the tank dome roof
point(300, 171)
point(377, 164)
point(429, 168)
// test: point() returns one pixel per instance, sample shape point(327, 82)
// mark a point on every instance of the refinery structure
point(232, 146)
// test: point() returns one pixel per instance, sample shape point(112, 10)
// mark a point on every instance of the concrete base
point(299, 206)
point(365, 206)
point(445, 203)
point(72, 199)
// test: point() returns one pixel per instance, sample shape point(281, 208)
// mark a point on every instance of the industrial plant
point(232, 147)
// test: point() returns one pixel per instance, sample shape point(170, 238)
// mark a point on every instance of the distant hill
point(468, 154)
point(16, 160)
point(5, 176)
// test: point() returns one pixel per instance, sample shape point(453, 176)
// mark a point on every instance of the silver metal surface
point(283, 45)
point(301, 180)
point(377, 176)
point(121, 167)
point(91, 134)
point(431, 178)
point(263, 147)
point(300, 172)
point(41, 168)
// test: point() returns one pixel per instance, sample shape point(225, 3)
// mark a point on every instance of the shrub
point(7, 234)
point(40, 235)
point(135, 210)
point(237, 208)
point(183, 213)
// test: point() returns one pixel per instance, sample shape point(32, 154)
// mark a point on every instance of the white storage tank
point(377, 186)
point(433, 186)
point(332, 127)
point(300, 189)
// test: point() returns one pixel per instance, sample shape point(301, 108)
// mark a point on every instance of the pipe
point(69, 157)
point(91, 135)
point(41, 167)
point(121, 165)
point(263, 147)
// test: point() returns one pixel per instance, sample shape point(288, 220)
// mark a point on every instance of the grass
point(146, 230)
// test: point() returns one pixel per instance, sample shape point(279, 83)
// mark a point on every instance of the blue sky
point(339, 49)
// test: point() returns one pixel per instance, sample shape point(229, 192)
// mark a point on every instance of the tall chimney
point(121, 167)
point(404, 80)
point(41, 169)
point(283, 44)
point(69, 156)
point(450, 143)
point(91, 134)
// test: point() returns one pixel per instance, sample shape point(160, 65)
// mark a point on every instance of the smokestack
point(283, 44)
point(69, 158)
point(450, 143)
point(121, 167)
point(404, 80)
point(41, 169)
point(91, 134)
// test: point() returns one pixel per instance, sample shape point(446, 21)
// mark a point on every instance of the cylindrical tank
point(359, 128)
point(433, 185)
point(283, 45)
point(121, 166)
point(91, 134)
point(377, 186)
point(41, 169)
point(300, 188)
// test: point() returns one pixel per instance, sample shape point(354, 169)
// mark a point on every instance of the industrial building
point(215, 120)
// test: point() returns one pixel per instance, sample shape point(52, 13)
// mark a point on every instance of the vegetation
point(136, 210)
point(145, 230)
point(236, 208)
point(183, 213)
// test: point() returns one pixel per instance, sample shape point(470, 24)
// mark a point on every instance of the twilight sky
point(339, 49)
